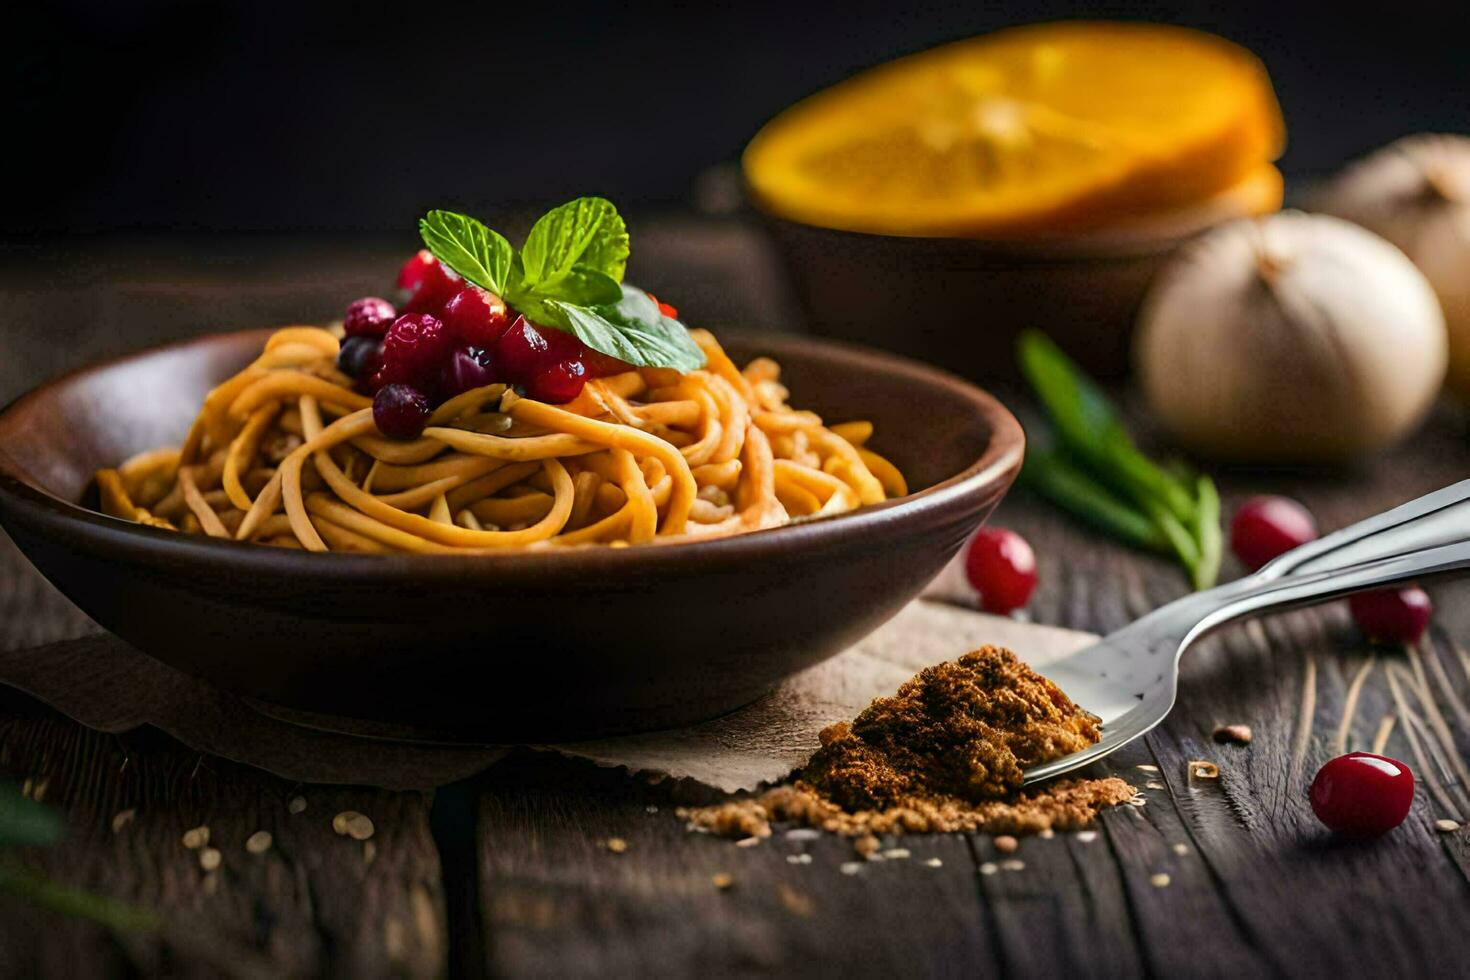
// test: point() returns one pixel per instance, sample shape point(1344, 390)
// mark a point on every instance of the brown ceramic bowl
point(961, 302)
point(514, 647)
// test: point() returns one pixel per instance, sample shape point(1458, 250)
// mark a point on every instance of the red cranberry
point(559, 383)
point(425, 284)
point(1362, 795)
point(1266, 527)
point(400, 411)
point(369, 317)
point(416, 347)
point(1392, 615)
point(524, 350)
point(1002, 568)
point(360, 356)
point(476, 316)
point(466, 369)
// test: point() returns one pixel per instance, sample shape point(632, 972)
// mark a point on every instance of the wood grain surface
point(511, 873)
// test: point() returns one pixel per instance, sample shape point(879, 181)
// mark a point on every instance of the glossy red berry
point(466, 369)
point(1392, 615)
point(415, 349)
point(476, 317)
point(400, 411)
point(559, 383)
point(1362, 795)
point(1002, 568)
point(1267, 527)
point(370, 316)
point(664, 308)
point(425, 285)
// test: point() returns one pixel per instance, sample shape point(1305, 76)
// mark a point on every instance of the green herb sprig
point(568, 274)
point(1095, 471)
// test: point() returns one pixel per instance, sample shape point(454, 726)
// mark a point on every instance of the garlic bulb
point(1290, 338)
point(1416, 193)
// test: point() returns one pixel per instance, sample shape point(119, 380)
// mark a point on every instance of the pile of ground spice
point(944, 754)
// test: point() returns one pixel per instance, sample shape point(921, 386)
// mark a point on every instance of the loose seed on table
point(1014, 864)
point(1446, 826)
point(722, 880)
point(1087, 836)
point(1006, 844)
point(209, 858)
point(196, 838)
point(850, 867)
point(1181, 849)
point(1202, 769)
point(297, 805)
point(1159, 880)
point(616, 845)
point(896, 853)
point(258, 842)
point(122, 819)
point(798, 859)
point(989, 868)
point(1239, 734)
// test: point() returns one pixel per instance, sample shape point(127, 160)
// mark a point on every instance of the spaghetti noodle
point(287, 453)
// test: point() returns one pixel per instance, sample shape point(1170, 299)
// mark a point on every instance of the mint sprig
point(1095, 471)
point(568, 275)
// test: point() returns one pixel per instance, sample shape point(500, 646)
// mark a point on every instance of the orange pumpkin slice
point(1034, 131)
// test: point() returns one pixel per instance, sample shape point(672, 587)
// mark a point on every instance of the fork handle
point(1422, 537)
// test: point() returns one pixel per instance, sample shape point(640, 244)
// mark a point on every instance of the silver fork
point(1131, 677)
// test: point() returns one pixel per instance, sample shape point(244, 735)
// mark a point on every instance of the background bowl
point(960, 302)
point(514, 647)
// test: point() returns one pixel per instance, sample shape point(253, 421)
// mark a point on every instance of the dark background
point(342, 117)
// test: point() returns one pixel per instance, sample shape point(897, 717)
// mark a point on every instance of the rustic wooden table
point(508, 873)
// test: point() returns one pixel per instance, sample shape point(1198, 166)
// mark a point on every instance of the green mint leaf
point(631, 330)
point(465, 245)
point(587, 233)
point(588, 287)
point(1091, 428)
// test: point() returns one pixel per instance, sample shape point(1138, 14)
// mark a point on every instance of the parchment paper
point(105, 684)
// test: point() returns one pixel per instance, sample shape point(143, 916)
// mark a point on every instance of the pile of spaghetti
point(286, 453)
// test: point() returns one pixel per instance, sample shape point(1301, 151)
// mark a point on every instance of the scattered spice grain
point(122, 818)
point(209, 858)
point(1203, 769)
point(722, 880)
point(1159, 880)
point(1006, 844)
point(933, 863)
point(795, 902)
point(989, 868)
point(1446, 826)
point(297, 805)
point(1239, 734)
point(1014, 864)
point(350, 823)
point(1181, 849)
point(259, 842)
point(616, 845)
point(196, 838)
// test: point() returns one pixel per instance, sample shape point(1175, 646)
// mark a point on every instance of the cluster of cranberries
point(448, 336)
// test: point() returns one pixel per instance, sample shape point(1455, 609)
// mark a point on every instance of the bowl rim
point(980, 482)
